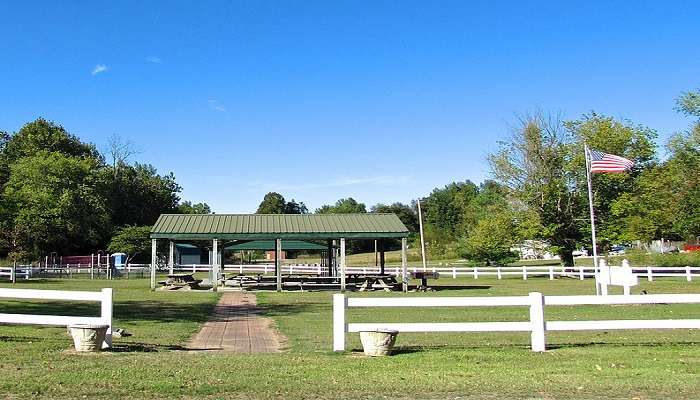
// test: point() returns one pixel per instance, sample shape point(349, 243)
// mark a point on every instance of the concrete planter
point(88, 337)
point(379, 342)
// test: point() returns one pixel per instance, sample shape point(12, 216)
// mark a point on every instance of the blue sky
point(378, 100)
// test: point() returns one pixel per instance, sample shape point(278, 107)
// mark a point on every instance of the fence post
point(688, 275)
point(537, 337)
point(454, 272)
point(551, 273)
point(13, 272)
point(106, 315)
point(524, 273)
point(580, 273)
point(498, 271)
point(340, 303)
point(649, 277)
point(92, 267)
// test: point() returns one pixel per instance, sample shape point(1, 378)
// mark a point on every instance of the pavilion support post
point(342, 264)
point(382, 258)
point(171, 257)
point(278, 263)
point(154, 260)
point(214, 265)
point(404, 265)
point(330, 258)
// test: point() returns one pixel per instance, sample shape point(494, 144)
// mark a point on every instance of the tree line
point(538, 190)
point(60, 194)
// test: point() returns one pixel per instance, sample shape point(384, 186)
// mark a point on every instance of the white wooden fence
point(454, 271)
point(446, 271)
point(104, 297)
point(537, 325)
point(15, 271)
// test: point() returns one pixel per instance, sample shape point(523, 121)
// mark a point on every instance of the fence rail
point(537, 325)
point(454, 271)
point(104, 297)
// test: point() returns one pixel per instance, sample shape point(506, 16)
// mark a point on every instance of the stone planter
point(87, 337)
point(379, 342)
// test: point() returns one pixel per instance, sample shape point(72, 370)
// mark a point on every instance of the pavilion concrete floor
point(237, 325)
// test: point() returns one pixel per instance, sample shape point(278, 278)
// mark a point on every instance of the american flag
point(603, 162)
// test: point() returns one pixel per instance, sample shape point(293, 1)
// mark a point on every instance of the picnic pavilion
point(231, 230)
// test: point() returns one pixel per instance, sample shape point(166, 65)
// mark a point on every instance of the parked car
point(617, 250)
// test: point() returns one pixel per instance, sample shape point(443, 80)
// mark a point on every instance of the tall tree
point(186, 207)
point(406, 214)
point(54, 205)
point(272, 203)
point(138, 194)
point(343, 206)
point(621, 138)
point(532, 165)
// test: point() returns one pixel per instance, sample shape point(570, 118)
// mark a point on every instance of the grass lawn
point(37, 362)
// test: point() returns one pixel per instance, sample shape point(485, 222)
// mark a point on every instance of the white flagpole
point(590, 205)
point(422, 240)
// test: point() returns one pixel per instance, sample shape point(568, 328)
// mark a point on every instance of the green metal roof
point(283, 226)
point(270, 245)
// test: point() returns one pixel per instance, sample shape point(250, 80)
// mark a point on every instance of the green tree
point(272, 203)
point(292, 207)
point(53, 205)
point(492, 238)
point(132, 240)
point(343, 206)
point(138, 194)
point(406, 214)
point(186, 207)
point(533, 166)
point(621, 138)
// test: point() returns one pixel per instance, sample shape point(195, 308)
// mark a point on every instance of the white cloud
point(214, 105)
point(154, 60)
point(335, 183)
point(99, 68)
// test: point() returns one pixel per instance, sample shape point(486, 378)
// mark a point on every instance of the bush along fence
point(538, 326)
point(104, 297)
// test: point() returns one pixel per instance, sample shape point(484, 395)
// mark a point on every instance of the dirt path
point(237, 326)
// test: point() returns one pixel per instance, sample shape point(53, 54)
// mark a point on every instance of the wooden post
point(382, 258)
point(13, 272)
point(340, 303)
point(537, 337)
point(342, 264)
point(278, 263)
point(330, 258)
point(215, 265)
point(106, 315)
point(154, 259)
point(171, 257)
point(404, 265)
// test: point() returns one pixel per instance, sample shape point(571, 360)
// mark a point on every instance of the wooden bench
point(180, 282)
point(423, 276)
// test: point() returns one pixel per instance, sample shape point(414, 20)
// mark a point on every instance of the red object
point(689, 247)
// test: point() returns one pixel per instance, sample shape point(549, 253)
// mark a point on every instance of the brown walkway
point(237, 326)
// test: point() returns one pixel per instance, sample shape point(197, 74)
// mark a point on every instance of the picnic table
point(423, 276)
point(180, 282)
point(386, 282)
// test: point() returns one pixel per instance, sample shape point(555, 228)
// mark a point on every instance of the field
point(38, 362)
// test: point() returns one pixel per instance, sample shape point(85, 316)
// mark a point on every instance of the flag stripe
point(603, 162)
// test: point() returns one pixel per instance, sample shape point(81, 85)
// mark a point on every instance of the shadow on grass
point(124, 311)
point(559, 346)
